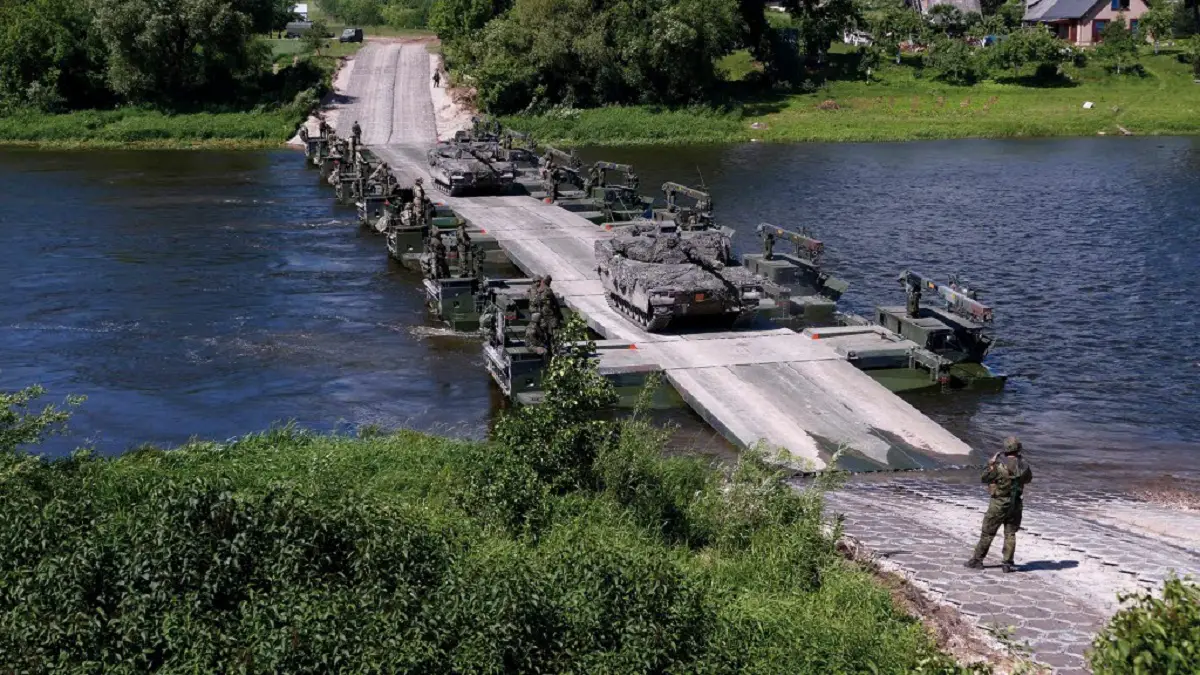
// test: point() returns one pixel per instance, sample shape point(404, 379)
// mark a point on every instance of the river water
point(213, 293)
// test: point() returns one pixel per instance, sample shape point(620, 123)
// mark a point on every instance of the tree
point(895, 25)
point(1158, 21)
point(954, 60)
point(1033, 45)
point(948, 20)
point(1118, 48)
point(314, 38)
point(177, 51)
point(453, 19)
point(49, 56)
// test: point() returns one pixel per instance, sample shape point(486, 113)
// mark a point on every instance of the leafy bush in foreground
point(1151, 634)
point(568, 544)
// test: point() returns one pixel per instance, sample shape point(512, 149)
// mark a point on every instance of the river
point(213, 293)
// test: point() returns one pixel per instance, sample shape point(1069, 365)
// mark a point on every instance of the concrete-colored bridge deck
point(772, 386)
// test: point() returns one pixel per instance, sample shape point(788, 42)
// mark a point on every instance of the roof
point(1053, 10)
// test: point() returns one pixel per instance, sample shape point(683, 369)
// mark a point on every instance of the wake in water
point(423, 332)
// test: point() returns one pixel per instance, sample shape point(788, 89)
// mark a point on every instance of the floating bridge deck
point(773, 386)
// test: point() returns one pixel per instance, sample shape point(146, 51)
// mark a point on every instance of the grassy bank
point(900, 105)
point(266, 125)
point(564, 544)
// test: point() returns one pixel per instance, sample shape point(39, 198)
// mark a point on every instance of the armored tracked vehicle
point(459, 168)
point(654, 276)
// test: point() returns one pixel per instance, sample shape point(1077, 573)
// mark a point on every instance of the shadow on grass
point(1039, 82)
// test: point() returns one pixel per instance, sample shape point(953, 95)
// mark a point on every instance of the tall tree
point(1158, 21)
point(176, 51)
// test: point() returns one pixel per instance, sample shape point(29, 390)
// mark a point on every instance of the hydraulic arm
point(806, 247)
point(959, 299)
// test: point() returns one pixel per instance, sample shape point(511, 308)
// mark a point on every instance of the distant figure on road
point(437, 79)
point(1006, 479)
point(357, 131)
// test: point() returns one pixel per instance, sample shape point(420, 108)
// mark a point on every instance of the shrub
point(1152, 635)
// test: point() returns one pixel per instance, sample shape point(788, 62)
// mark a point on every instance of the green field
point(900, 104)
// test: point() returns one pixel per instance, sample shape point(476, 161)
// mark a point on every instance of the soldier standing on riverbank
point(1006, 478)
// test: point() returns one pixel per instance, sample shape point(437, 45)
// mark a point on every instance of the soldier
point(379, 173)
point(551, 310)
point(357, 132)
point(437, 79)
point(406, 216)
point(304, 132)
point(323, 128)
point(441, 269)
point(418, 200)
point(914, 302)
point(464, 250)
point(488, 322)
point(1006, 480)
point(534, 294)
point(769, 246)
point(535, 334)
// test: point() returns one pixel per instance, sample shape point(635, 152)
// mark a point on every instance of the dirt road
point(1079, 549)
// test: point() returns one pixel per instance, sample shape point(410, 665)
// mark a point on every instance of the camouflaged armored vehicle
point(653, 275)
point(459, 168)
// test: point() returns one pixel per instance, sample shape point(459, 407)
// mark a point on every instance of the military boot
point(1008, 567)
point(974, 563)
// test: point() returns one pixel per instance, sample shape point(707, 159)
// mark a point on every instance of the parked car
point(296, 29)
point(351, 35)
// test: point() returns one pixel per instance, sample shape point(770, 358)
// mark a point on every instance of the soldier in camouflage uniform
point(536, 337)
point(463, 242)
point(1006, 478)
point(357, 133)
point(437, 250)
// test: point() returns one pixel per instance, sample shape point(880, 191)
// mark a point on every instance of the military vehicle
point(561, 175)
point(459, 168)
point(798, 292)
point(653, 275)
point(919, 347)
point(452, 285)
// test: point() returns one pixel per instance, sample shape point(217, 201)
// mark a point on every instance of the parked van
point(351, 35)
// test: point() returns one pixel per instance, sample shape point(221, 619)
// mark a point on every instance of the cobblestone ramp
point(1072, 563)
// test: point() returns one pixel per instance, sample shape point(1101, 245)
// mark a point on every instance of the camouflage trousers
point(999, 513)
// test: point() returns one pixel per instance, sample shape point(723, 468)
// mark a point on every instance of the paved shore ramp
point(773, 387)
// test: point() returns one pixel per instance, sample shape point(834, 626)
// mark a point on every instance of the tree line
point(66, 54)
point(533, 55)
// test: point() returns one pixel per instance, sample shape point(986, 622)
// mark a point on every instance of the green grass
point(383, 31)
point(132, 127)
point(900, 106)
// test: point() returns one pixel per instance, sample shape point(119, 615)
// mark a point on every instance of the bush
point(955, 61)
point(566, 544)
point(1152, 635)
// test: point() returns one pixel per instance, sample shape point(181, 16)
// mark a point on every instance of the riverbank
point(434, 555)
point(902, 105)
point(264, 126)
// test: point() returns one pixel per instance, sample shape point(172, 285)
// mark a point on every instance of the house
point(1080, 22)
point(301, 11)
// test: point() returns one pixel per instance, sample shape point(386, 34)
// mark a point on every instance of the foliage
point(1118, 47)
point(458, 19)
point(1152, 635)
point(1032, 45)
point(895, 25)
point(291, 552)
point(950, 20)
point(580, 53)
point(1158, 21)
point(316, 37)
point(19, 426)
point(49, 59)
point(954, 60)
point(163, 51)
